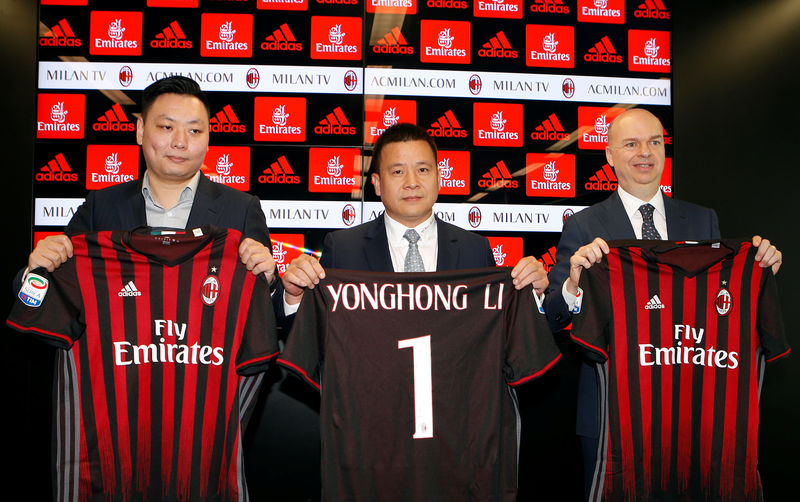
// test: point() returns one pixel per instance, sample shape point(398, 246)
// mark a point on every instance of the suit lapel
point(447, 252)
point(613, 218)
point(677, 220)
point(203, 210)
point(376, 247)
point(135, 215)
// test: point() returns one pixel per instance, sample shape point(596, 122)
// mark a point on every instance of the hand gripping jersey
point(157, 333)
point(685, 329)
point(417, 373)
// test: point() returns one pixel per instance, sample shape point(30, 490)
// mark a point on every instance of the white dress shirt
point(428, 243)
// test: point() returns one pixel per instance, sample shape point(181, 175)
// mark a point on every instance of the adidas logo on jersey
point(654, 303)
point(279, 172)
point(603, 180)
point(226, 121)
point(56, 170)
point(335, 123)
point(652, 9)
point(281, 39)
point(603, 52)
point(447, 126)
point(498, 47)
point(550, 130)
point(113, 120)
point(498, 177)
point(393, 43)
point(129, 290)
point(60, 35)
point(171, 37)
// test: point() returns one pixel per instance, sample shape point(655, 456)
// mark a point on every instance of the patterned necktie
point(649, 232)
point(413, 258)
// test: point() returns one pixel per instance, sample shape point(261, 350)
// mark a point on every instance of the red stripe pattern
point(684, 327)
point(157, 369)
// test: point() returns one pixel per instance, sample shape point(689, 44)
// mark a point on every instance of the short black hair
point(399, 133)
point(176, 84)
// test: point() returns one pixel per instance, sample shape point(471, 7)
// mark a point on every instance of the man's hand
point(527, 271)
point(303, 272)
point(585, 257)
point(257, 258)
point(50, 252)
point(767, 254)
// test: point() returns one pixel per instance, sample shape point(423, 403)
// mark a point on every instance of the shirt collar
point(186, 194)
point(632, 203)
point(395, 230)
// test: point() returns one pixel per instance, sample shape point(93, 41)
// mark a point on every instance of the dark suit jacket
point(607, 220)
point(121, 207)
point(366, 247)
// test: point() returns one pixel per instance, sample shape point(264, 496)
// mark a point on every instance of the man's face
point(408, 181)
point(174, 137)
point(636, 151)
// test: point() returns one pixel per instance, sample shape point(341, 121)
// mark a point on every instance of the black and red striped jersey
point(417, 374)
point(683, 330)
point(164, 338)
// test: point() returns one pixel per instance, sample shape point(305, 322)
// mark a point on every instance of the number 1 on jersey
point(423, 384)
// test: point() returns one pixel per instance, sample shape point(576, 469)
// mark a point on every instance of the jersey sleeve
point(303, 352)
point(259, 343)
point(49, 306)
point(590, 324)
point(769, 321)
point(531, 349)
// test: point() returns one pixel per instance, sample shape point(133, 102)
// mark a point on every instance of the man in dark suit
point(405, 174)
point(173, 132)
point(636, 152)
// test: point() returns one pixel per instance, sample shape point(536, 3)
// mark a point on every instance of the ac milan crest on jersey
point(161, 338)
point(210, 290)
point(683, 330)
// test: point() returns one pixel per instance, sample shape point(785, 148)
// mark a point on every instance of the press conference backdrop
point(517, 93)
